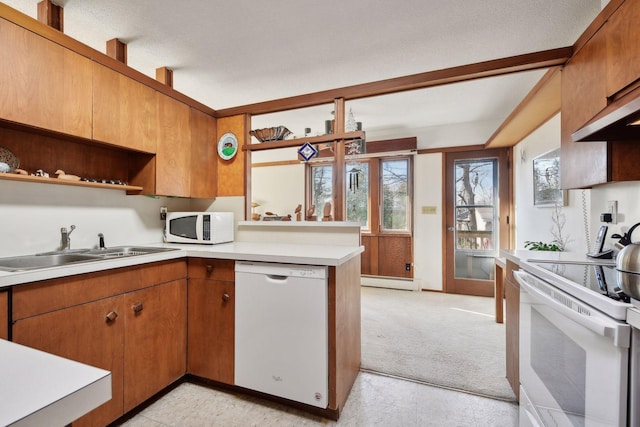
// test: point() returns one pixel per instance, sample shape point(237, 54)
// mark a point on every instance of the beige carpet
point(441, 339)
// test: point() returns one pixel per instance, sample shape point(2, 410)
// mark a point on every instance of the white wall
point(278, 189)
point(534, 223)
point(31, 215)
point(627, 194)
point(428, 227)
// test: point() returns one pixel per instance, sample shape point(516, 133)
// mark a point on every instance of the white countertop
point(40, 389)
point(290, 253)
point(562, 257)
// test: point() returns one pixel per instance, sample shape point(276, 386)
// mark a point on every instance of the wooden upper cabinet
point(606, 64)
point(204, 163)
point(124, 111)
point(623, 47)
point(583, 96)
point(173, 156)
point(43, 84)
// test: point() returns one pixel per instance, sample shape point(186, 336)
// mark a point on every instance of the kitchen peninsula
point(146, 301)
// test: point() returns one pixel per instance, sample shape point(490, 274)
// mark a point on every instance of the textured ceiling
point(230, 53)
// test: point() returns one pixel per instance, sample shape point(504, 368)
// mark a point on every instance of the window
point(357, 193)
point(395, 195)
point(321, 190)
point(369, 184)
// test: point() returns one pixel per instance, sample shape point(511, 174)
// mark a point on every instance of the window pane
point(474, 182)
point(357, 193)
point(321, 186)
point(395, 195)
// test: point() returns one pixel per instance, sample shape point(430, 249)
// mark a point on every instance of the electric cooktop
point(599, 278)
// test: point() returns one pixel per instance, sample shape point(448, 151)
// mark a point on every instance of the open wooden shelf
point(296, 142)
point(57, 181)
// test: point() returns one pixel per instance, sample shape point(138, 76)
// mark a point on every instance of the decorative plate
point(227, 146)
point(9, 158)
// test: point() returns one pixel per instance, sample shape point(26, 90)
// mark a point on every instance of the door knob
point(225, 297)
point(209, 268)
point(111, 316)
point(137, 308)
point(450, 228)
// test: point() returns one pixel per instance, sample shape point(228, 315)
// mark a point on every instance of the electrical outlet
point(163, 213)
point(612, 208)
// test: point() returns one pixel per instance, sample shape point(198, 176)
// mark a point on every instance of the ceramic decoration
point(227, 146)
point(9, 159)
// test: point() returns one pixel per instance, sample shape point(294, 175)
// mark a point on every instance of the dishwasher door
point(281, 331)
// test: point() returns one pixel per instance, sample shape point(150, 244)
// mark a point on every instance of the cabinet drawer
point(210, 268)
point(48, 295)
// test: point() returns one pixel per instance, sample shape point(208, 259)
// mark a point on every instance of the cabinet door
point(85, 334)
point(173, 157)
point(4, 315)
point(512, 325)
point(155, 340)
point(204, 160)
point(583, 96)
point(43, 84)
point(124, 111)
point(623, 47)
point(211, 329)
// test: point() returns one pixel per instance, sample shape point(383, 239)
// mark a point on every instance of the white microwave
point(199, 227)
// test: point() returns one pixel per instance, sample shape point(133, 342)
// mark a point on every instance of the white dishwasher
point(281, 330)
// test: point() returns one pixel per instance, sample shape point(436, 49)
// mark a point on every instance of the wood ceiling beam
point(541, 104)
point(496, 67)
point(51, 15)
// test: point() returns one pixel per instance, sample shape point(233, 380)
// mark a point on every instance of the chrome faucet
point(65, 241)
point(101, 241)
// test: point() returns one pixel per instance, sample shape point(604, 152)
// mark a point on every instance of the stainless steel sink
point(46, 260)
point(124, 251)
point(32, 262)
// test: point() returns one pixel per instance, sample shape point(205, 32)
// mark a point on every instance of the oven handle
point(596, 325)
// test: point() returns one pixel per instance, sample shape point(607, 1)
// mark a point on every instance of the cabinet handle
point(111, 316)
point(225, 297)
point(137, 308)
point(209, 268)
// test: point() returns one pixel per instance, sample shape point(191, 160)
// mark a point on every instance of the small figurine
point(21, 172)
point(62, 175)
point(327, 212)
point(298, 212)
point(310, 215)
point(41, 173)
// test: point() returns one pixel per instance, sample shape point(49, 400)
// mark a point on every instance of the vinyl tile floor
point(375, 400)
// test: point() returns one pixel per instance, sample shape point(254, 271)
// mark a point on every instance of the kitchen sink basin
point(32, 262)
point(55, 259)
point(123, 251)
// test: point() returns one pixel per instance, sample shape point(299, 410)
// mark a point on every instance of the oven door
point(573, 359)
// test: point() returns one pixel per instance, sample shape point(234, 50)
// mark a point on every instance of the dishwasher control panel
point(287, 270)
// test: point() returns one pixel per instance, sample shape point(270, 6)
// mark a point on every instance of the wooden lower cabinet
point(155, 340)
point(138, 332)
point(211, 319)
point(83, 333)
point(4, 315)
point(512, 328)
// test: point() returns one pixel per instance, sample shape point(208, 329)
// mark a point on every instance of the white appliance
point(281, 331)
point(574, 358)
point(199, 227)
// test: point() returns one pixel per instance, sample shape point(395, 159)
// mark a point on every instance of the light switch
point(429, 210)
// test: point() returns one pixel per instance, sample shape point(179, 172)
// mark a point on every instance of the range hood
point(618, 121)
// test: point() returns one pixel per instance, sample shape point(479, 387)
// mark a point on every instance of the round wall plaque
point(227, 146)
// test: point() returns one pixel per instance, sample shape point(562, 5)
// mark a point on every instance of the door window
point(475, 217)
